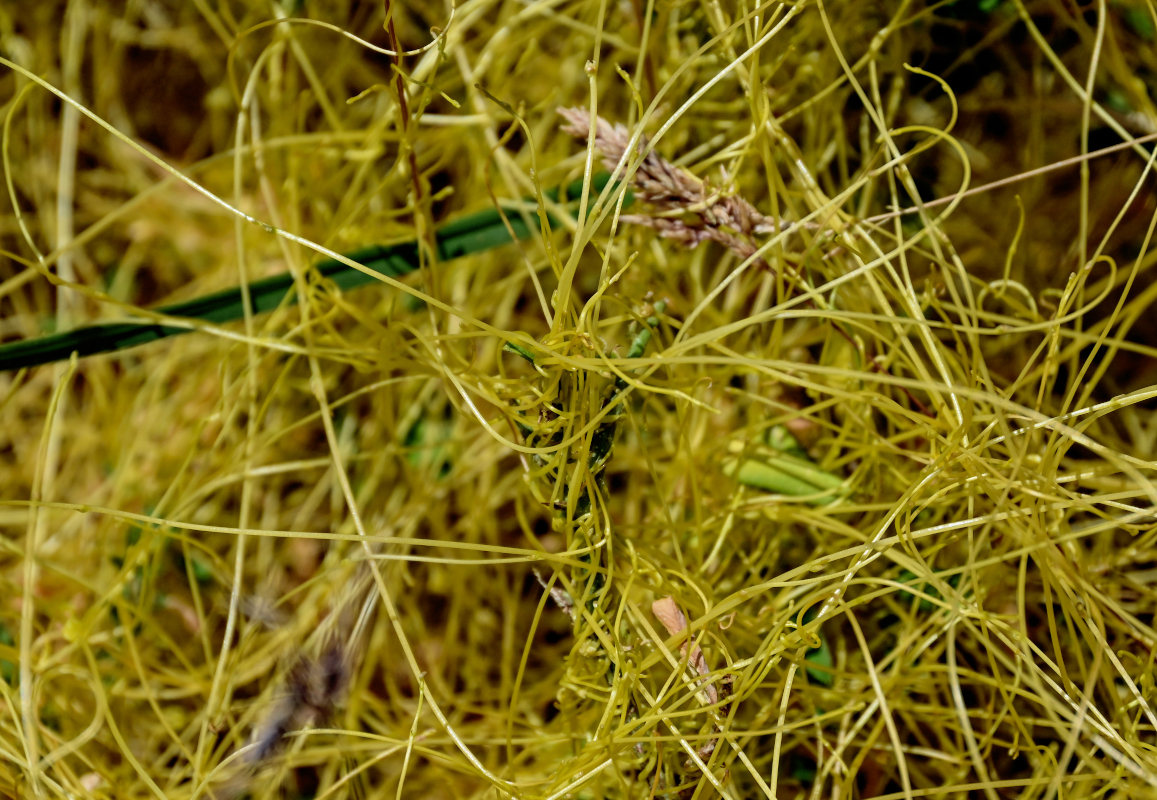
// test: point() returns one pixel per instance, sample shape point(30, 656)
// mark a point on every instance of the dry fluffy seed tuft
point(682, 207)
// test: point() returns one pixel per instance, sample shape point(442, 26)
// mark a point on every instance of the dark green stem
point(475, 233)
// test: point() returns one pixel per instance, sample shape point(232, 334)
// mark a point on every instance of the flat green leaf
point(818, 660)
point(818, 663)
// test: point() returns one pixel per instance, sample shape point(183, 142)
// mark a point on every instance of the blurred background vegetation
point(896, 471)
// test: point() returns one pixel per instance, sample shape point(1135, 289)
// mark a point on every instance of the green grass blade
point(468, 235)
